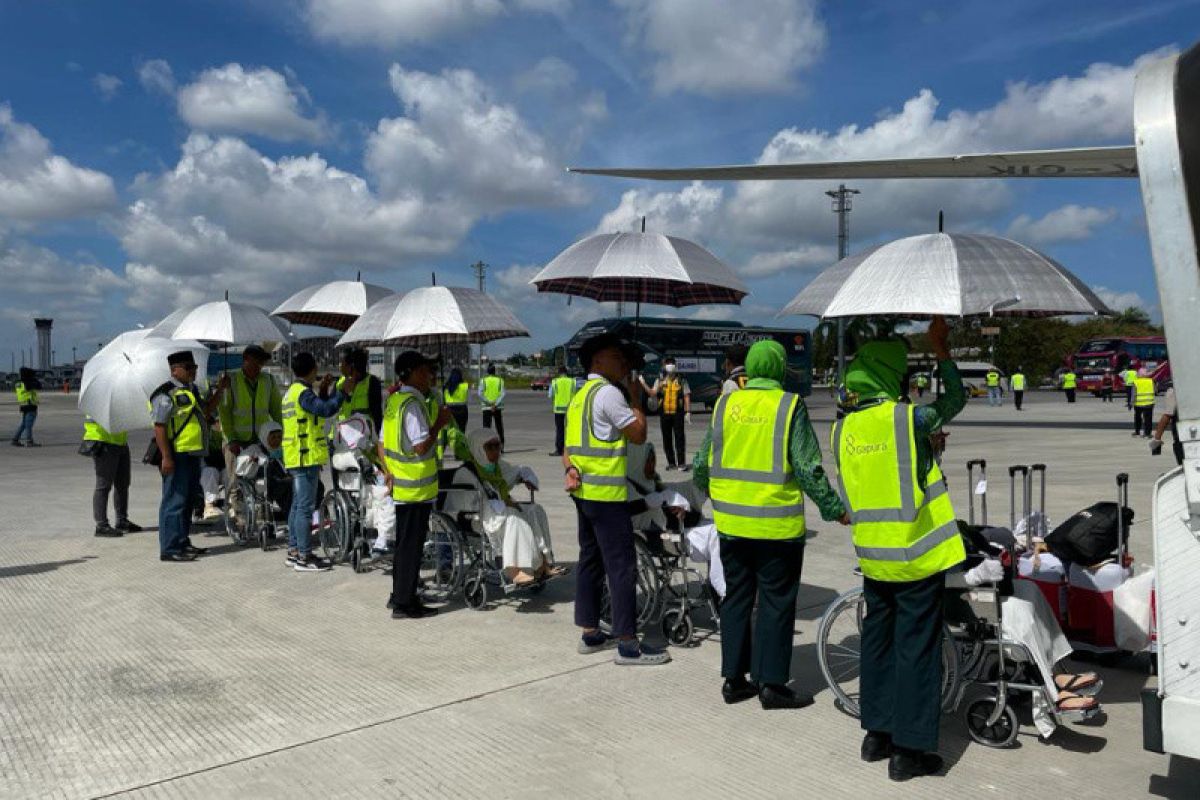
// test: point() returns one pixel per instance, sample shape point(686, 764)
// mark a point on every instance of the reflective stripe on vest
point(564, 388)
point(359, 401)
point(414, 477)
point(248, 410)
point(1143, 392)
point(94, 432)
point(753, 489)
point(25, 397)
point(1018, 382)
point(459, 396)
point(492, 386)
point(601, 464)
point(993, 379)
point(901, 533)
point(1069, 380)
point(184, 428)
point(304, 443)
point(672, 395)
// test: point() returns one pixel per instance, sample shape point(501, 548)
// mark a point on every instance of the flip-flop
point(557, 572)
point(1084, 684)
point(1086, 704)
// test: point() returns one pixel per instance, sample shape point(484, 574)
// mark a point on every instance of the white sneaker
point(211, 512)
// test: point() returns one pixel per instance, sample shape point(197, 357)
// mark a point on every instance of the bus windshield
point(1098, 346)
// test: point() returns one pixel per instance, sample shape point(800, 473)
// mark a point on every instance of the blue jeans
point(994, 396)
point(304, 501)
point(175, 510)
point(25, 426)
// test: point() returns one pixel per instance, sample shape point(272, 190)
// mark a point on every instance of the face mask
point(668, 368)
point(277, 453)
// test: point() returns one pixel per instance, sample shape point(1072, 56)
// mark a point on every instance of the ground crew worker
point(562, 388)
point(491, 394)
point(923, 384)
point(1069, 381)
point(1128, 376)
point(674, 412)
point(735, 369)
point(408, 449)
point(906, 537)
point(110, 457)
point(993, 388)
point(454, 396)
point(605, 415)
point(367, 397)
point(758, 460)
point(181, 431)
point(1143, 404)
point(27, 404)
point(1169, 419)
point(1016, 382)
point(251, 400)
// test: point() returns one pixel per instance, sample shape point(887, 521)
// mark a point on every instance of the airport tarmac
point(235, 677)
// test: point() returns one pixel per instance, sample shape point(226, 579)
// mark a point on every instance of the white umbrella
point(118, 380)
point(226, 323)
point(434, 316)
point(336, 304)
point(952, 274)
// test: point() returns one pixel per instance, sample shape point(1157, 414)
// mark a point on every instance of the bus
point(698, 347)
point(1096, 356)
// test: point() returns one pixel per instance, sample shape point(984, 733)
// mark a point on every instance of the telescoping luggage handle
point(1122, 504)
point(1040, 470)
point(982, 464)
point(1012, 493)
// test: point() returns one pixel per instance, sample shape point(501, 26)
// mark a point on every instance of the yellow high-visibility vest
point(753, 489)
point(492, 386)
point(304, 443)
point(1018, 382)
point(1068, 380)
point(1143, 392)
point(246, 409)
point(414, 477)
point(601, 463)
point(459, 396)
point(901, 531)
point(25, 397)
point(672, 390)
point(993, 379)
point(1129, 376)
point(185, 429)
point(94, 432)
point(359, 401)
point(564, 388)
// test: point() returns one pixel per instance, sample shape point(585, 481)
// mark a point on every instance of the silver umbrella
point(225, 322)
point(336, 304)
point(952, 274)
point(434, 316)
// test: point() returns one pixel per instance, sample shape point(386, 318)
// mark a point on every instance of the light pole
point(480, 269)
point(841, 207)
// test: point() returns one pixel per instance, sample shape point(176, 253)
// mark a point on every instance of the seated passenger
point(279, 482)
point(520, 530)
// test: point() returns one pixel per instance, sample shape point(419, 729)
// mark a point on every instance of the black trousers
point(606, 550)
point(1129, 393)
point(766, 570)
point(1070, 395)
point(460, 416)
point(112, 476)
point(1106, 394)
point(901, 667)
point(1018, 398)
point(674, 439)
point(412, 526)
point(560, 428)
point(498, 416)
point(1143, 420)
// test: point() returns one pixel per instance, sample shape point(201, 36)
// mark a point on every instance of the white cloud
point(388, 23)
point(1069, 223)
point(106, 85)
point(232, 99)
point(156, 75)
point(1119, 301)
point(551, 74)
point(37, 185)
point(715, 46)
point(805, 258)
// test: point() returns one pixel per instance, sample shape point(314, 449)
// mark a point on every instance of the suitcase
point(1090, 607)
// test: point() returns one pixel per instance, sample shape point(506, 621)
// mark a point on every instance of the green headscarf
point(878, 370)
point(766, 361)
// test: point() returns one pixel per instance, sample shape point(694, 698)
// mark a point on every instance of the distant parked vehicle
point(541, 384)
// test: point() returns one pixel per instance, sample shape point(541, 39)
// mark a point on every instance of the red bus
point(1119, 353)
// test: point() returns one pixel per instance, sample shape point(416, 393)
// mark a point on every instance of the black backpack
point(1089, 536)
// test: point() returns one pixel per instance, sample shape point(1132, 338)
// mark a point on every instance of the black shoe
point(391, 604)
point(192, 550)
point(176, 557)
point(906, 764)
point(686, 467)
point(671, 468)
point(108, 531)
point(555, 453)
point(736, 690)
point(17, 443)
point(32, 443)
point(876, 746)
point(415, 610)
point(775, 696)
point(128, 527)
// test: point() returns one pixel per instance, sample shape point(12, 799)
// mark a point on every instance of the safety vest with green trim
point(25, 397)
point(1143, 392)
point(185, 429)
point(1068, 380)
point(564, 389)
point(248, 408)
point(753, 489)
point(304, 443)
point(459, 396)
point(601, 463)
point(359, 401)
point(901, 532)
point(414, 477)
point(993, 379)
point(1017, 381)
point(94, 432)
point(493, 385)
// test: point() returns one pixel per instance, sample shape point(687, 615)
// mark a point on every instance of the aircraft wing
point(1081, 162)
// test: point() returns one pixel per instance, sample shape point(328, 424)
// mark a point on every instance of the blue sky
point(159, 153)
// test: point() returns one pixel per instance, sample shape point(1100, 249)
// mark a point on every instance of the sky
point(158, 154)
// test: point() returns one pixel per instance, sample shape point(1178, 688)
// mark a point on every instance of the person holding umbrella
point(906, 538)
point(251, 400)
point(27, 403)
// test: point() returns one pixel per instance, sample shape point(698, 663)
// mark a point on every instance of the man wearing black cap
point(603, 416)
point(181, 432)
point(251, 400)
point(408, 447)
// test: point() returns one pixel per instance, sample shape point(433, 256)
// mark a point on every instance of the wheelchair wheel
point(647, 590)
point(677, 627)
point(443, 559)
point(475, 589)
point(1001, 733)
point(334, 526)
point(358, 559)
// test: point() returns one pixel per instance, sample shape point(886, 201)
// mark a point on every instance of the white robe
point(521, 534)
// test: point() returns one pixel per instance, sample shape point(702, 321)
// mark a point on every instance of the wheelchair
point(344, 535)
point(256, 524)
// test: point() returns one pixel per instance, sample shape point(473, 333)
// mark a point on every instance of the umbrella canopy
point(433, 316)
point(953, 274)
point(224, 322)
point(641, 268)
point(336, 304)
point(118, 380)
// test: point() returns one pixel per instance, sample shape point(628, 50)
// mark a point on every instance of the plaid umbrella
point(336, 304)
point(434, 316)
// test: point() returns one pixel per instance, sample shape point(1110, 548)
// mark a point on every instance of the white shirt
point(1169, 402)
point(415, 426)
point(610, 411)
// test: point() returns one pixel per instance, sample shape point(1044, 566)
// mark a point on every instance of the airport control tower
point(43, 336)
